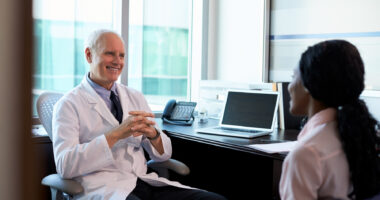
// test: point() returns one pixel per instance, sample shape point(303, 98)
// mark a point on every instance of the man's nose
point(118, 60)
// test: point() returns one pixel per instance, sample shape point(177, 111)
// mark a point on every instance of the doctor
point(101, 128)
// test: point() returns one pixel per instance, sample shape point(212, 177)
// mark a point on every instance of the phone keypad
point(183, 111)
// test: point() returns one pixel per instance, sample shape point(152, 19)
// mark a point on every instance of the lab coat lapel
point(98, 104)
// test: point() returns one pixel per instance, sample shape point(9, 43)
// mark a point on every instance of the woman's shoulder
point(323, 140)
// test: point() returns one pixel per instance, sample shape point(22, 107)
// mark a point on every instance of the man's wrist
point(158, 133)
point(112, 137)
point(111, 140)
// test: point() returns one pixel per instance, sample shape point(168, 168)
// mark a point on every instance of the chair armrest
point(67, 186)
point(172, 164)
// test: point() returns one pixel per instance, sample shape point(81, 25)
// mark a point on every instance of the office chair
point(66, 188)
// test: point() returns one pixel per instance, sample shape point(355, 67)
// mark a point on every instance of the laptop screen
point(252, 109)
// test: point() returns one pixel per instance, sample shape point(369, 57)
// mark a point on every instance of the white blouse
point(317, 167)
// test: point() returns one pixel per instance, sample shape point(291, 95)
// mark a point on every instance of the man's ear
point(88, 54)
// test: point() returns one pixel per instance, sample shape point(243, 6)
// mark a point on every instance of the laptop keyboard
point(233, 132)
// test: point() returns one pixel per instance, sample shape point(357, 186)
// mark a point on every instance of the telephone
point(179, 113)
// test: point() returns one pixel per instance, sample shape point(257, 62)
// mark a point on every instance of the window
point(159, 45)
point(60, 29)
point(158, 49)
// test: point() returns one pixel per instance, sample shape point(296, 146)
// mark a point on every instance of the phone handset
point(179, 113)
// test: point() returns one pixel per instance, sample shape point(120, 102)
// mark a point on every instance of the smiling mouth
point(112, 68)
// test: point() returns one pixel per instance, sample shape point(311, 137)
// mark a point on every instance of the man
point(101, 128)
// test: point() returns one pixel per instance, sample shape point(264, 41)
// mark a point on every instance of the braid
point(358, 133)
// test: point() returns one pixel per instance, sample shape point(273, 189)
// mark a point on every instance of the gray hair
point(94, 41)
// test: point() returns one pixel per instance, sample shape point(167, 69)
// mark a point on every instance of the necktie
point(116, 109)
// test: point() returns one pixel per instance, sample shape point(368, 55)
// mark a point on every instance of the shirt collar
point(322, 117)
point(101, 90)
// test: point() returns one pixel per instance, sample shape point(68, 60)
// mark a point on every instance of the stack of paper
point(274, 147)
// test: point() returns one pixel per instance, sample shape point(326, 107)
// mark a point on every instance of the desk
point(44, 163)
point(226, 164)
point(217, 163)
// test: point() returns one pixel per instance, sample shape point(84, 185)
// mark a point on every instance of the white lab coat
point(80, 120)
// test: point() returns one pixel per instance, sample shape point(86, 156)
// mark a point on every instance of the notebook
point(246, 114)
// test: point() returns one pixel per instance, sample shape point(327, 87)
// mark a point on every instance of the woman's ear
point(88, 54)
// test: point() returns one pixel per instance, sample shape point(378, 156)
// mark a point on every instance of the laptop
point(246, 114)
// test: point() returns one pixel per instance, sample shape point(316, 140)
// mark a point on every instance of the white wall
point(235, 45)
point(372, 99)
point(236, 40)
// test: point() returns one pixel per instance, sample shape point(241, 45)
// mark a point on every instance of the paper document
point(275, 147)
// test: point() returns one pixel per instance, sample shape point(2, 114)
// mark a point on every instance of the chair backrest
point(45, 104)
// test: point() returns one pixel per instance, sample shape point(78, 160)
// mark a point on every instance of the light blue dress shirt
point(103, 92)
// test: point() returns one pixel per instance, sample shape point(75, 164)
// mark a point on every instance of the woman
point(336, 155)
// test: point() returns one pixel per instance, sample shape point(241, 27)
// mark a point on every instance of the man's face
point(107, 63)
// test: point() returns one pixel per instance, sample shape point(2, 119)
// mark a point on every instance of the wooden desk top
point(235, 143)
